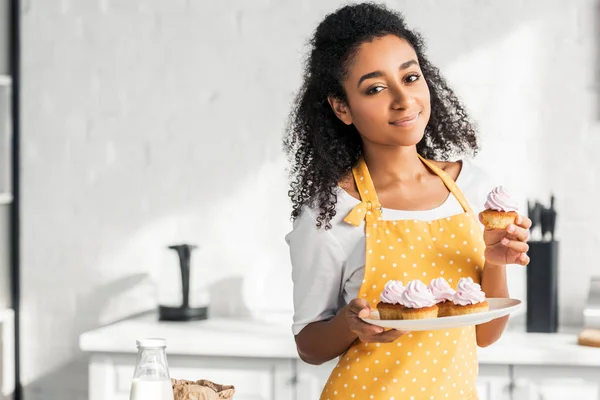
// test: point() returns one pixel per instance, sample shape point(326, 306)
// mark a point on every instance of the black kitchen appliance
point(183, 311)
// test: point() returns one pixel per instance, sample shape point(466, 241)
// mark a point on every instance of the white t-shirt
point(328, 265)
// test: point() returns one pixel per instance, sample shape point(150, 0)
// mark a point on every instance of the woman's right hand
point(360, 308)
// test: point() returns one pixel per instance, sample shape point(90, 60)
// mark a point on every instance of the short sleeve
point(317, 268)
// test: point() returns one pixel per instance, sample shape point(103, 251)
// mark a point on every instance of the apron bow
point(360, 211)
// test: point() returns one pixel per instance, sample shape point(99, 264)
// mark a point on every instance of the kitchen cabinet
point(253, 378)
point(261, 361)
point(311, 379)
point(292, 379)
point(494, 382)
point(7, 355)
point(555, 383)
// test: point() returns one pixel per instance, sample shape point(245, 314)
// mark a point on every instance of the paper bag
point(589, 337)
point(201, 390)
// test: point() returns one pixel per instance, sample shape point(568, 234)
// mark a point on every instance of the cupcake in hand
point(500, 209)
point(389, 306)
point(418, 301)
point(468, 299)
point(443, 293)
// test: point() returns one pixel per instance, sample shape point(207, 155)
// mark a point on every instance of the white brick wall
point(149, 122)
point(4, 37)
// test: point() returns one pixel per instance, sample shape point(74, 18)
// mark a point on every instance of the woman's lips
point(406, 121)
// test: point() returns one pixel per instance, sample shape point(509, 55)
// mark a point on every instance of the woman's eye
point(375, 89)
point(412, 78)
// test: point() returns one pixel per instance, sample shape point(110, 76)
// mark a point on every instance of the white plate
point(498, 308)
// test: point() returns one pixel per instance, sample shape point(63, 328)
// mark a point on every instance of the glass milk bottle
point(151, 380)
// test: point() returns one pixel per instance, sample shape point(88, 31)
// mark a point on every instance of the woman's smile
point(407, 121)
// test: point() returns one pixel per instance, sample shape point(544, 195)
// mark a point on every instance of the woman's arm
point(503, 247)
point(493, 283)
point(322, 341)
point(323, 328)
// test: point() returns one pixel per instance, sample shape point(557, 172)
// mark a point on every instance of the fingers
point(523, 222)
point(360, 307)
point(518, 232)
point(523, 259)
point(362, 329)
point(516, 245)
point(357, 309)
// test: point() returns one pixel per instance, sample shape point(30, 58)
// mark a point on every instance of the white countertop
point(247, 338)
point(6, 198)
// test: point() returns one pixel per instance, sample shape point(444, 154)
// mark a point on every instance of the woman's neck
point(394, 164)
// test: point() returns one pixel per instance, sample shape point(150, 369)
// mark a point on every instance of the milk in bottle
point(151, 380)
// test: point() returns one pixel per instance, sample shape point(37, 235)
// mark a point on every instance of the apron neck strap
point(366, 189)
point(450, 184)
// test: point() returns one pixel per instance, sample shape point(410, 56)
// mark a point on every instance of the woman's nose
point(402, 99)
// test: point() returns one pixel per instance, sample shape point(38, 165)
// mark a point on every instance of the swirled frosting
point(468, 292)
point(417, 295)
point(499, 199)
point(392, 291)
point(441, 290)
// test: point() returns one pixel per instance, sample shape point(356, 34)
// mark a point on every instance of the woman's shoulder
point(347, 186)
point(452, 168)
point(339, 232)
point(474, 181)
point(463, 170)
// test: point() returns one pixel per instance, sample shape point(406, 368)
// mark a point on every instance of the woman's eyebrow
point(377, 74)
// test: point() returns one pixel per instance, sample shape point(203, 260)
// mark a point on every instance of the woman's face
point(388, 98)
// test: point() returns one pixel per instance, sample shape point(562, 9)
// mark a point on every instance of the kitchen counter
point(247, 338)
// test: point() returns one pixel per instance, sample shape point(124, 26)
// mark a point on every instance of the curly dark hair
point(322, 149)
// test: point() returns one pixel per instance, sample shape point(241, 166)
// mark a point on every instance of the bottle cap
point(151, 342)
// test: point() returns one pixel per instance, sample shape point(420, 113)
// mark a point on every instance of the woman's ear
point(341, 110)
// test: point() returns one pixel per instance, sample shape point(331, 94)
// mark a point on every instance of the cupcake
point(443, 294)
point(500, 209)
point(418, 301)
point(468, 299)
point(389, 306)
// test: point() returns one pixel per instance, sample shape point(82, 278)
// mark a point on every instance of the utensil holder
point(542, 287)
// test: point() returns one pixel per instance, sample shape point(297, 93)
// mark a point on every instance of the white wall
point(5, 189)
point(4, 37)
point(150, 122)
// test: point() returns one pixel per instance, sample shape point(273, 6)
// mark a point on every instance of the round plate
point(498, 308)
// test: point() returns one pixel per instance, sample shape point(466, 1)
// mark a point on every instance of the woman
point(374, 199)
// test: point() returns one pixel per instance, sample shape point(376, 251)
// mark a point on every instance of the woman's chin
point(408, 138)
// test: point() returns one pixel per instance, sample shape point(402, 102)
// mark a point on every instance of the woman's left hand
point(508, 246)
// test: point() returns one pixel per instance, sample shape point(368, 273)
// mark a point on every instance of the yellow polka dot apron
point(439, 364)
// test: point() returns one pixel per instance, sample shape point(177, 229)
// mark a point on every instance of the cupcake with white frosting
point(418, 301)
point(500, 209)
point(443, 293)
point(468, 299)
point(389, 306)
